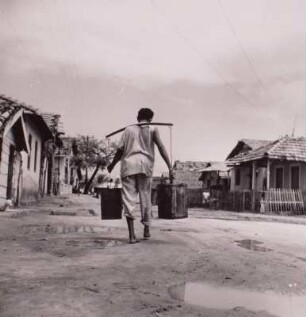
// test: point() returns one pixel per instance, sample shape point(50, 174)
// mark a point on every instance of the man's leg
point(144, 188)
point(129, 196)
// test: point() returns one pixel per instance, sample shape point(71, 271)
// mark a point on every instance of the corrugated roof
point(216, 167)
point(286, 148)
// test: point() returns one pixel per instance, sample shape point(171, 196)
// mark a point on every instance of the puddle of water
point(68, 229)
point(100, 243)
point(51, 229)
point(176, 230)
point(210, 296)
point(253, 245)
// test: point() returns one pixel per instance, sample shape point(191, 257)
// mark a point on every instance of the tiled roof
point(54, 122)
point(286, 148)
point(245, 145)
point(255, 144)
point(190, 165)
point(8, 107)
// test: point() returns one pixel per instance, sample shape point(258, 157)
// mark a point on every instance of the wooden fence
point(279, 201)
point(282, 201)
point(194, 197)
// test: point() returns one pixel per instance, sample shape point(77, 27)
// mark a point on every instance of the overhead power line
point(199, 53)
point(244, 53)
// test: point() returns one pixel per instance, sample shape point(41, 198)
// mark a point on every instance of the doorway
point(10, 173)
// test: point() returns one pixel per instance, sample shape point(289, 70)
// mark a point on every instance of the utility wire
point(231, 27)
point(199, 53)
point(27, 52)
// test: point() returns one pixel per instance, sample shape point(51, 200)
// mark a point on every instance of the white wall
point(30, 188)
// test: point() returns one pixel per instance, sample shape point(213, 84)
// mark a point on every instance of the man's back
point(137, 143)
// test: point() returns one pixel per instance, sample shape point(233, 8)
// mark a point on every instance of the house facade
point(65, 174)
point(241, 176)
point(283, 162)
point(277, 175)
point(23, 133)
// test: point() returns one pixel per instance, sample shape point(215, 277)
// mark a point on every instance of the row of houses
point(32, 163)
point(35, 160)
point(255, 172)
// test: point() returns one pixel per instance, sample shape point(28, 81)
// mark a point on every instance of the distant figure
point(136, 152)
point(8, 203)
point(118, 183)
point(111, 184)
point(206, 197)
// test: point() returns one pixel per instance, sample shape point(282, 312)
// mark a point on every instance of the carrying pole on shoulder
point(170, 125)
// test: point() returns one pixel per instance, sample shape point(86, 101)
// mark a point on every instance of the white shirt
point(138, 150)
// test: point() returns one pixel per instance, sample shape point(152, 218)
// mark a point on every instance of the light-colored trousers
point(132, 186)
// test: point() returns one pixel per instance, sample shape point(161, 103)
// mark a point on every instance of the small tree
point(89, 152)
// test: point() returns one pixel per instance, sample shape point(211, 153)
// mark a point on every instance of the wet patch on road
point(72, 247)
point(62, 229)
point(178, 230)
point(217, 297)
point(97, 243)
point(253, 245)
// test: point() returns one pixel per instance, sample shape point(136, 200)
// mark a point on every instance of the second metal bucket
point(172, 201)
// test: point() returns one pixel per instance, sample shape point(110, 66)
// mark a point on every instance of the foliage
point(91, 152)
point(88, 153)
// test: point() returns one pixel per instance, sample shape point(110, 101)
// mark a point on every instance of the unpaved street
point(78, 265)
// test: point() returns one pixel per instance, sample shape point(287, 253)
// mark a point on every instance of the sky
point(218, 70)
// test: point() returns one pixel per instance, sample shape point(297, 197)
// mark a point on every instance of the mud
point(84, 266)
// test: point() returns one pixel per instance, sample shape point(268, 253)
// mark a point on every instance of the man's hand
point(110, 168)
point(171, 174)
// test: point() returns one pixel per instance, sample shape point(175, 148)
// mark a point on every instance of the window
point(295, 177)
point(237, 176)
point(279, 177)
point(30, 149)
point(35, 156)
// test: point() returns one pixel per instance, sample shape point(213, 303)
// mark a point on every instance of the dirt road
point(77, 265)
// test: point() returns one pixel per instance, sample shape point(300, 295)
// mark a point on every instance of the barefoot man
point(136, 153)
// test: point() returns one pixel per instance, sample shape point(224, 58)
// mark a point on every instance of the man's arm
point(116, 159)
point(163, 152)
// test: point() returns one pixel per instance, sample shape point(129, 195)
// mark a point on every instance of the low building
point(23, 133)
point(284, 161)
point(188, 172)
point(215, 176)
point(241, 177)
point(279, 165)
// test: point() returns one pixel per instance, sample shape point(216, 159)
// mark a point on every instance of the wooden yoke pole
point(139, 124)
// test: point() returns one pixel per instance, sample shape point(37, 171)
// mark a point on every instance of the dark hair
point(145, 114)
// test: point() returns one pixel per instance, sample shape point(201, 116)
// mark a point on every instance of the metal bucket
point(172, 201)
point(111, 203)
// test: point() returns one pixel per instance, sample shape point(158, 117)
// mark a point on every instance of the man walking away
point(136, 153)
